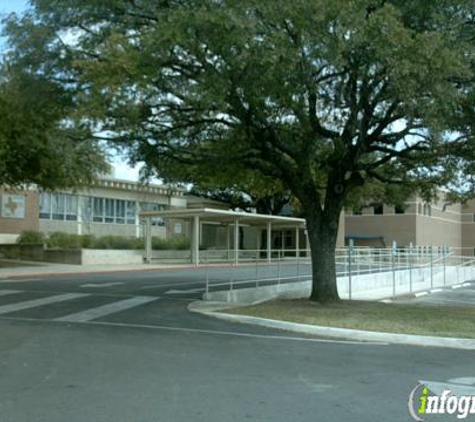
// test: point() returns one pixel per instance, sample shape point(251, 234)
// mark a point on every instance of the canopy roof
point(225, 216)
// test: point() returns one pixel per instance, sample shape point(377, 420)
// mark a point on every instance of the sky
point(122, 170)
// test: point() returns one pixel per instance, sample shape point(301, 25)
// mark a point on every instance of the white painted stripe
point(466, 284)
point(436, 291)
point(248, 335)
point(456, 287)
point(10, 280)
point(8, 292)
point(20, 306)
point(102, 285)
point(108, 309)
point(421, 294)
point(181, 292)
point(221, 333)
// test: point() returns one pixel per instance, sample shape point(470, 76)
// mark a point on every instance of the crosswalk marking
point(13, 307)
point(8, 292)
point(104, 310)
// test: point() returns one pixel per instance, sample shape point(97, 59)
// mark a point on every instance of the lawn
point(443, 321)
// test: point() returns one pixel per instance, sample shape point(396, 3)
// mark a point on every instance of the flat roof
point(225, 216)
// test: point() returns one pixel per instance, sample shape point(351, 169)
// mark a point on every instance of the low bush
point(176, 243)
point(31, 237)
point(61, 240)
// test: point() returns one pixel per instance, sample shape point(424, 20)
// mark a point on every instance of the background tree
point(40, 142)
point(323, 96)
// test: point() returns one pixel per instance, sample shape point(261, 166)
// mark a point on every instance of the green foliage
point(61, 240)
point(36, 146)
point(176, 243)
point(322, 98)
point(117, 242)
point(31, 237)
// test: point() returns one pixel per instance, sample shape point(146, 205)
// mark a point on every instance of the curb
point(335, 333)
point(434, 290)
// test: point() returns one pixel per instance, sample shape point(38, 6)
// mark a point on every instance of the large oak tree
point(324, 96)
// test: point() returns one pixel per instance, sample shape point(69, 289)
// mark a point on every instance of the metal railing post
point(393, 265)
point(431, 251)
point(207, 276)
point(298, 269)
point(444, 254)
point(350, 258)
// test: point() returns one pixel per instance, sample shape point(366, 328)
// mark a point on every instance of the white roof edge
point(224, 213)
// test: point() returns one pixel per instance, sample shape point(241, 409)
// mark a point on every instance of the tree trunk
point(322, 238)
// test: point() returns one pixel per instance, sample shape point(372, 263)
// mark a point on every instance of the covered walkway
point(236, 219)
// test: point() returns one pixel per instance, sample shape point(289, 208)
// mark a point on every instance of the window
point(427, 210)
point(98, 210)
point(400, 209)
point(45, 206)
point(419, 207)
point(151, 206)
point(378, 209)
point(113, 211)
point(120, 212)
point(109, 210)
point(58, 206)
point(130, 211)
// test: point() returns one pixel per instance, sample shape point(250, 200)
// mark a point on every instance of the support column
point(228, 242)
point(307, 242)
point(297, 242)
point(269, 241)
point(236, 241)
point(195, 241)
point(148, 240)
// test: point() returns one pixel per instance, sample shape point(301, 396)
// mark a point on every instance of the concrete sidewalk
point(42, 269)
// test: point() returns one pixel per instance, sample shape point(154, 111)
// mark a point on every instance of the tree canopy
point(324, 96)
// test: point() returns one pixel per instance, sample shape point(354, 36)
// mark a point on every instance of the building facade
point(109, 207)
point(423, 224)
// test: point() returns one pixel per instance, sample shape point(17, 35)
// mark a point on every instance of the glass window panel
point(130, 212)
point(98, 211)
point(120, 211)
point(109, 210)
point(71, 207)
point(45, 205)
point(57, 206)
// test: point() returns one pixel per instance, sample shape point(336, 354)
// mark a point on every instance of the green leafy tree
point(326, 97)
point(39, 141)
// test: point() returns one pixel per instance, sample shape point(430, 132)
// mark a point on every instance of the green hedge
point(29, 237)
point(61, 240)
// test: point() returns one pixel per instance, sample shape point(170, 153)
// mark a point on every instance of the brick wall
point(31, 220)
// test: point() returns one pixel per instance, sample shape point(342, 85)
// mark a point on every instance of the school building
point(423, 224)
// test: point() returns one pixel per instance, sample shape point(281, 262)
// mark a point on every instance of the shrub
point(31, 237)
point(60, 240)
point(175, 243)
point(117, 242)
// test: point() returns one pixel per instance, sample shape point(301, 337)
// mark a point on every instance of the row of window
point(65, 207)
point(378, 209)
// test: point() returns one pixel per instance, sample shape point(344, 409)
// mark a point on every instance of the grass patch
point(442, 321)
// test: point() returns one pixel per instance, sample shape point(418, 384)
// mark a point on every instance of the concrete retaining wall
point(26, 252)
point(111, 256)
point(365, 286)
point(63, 256)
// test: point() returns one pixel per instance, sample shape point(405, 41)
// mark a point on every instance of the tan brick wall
point(30, 222)
point(396, 227)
